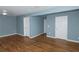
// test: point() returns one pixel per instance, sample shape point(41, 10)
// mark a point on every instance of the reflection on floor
point(17, 43)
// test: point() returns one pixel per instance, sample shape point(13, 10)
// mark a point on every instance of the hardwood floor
point(17, 43)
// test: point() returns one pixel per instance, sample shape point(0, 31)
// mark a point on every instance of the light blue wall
point(51, 24)
point(20, 25)
point(7, 25)
point(73, 24)
point(37, 25)
point(12, 24)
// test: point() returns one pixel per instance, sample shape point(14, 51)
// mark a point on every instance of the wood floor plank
point(18, 43)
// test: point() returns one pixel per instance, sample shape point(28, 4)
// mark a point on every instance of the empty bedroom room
point(39, 28)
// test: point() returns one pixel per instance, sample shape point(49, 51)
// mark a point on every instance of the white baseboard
point(8, 35)
point(36, 35)
point(31, 36)
point(50, 36)
point(21, 35)
point(64, 39)
point(39, 35)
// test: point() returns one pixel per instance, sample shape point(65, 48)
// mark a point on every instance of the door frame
point(28, 18)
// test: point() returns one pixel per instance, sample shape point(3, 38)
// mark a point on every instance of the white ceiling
point(24, 10)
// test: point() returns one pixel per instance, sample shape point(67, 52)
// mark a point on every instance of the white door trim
point(26, 26)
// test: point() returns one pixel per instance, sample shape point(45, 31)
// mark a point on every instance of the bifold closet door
point(61, 23)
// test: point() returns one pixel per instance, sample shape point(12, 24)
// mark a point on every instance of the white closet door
point(26, 26)
point(61, 27)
